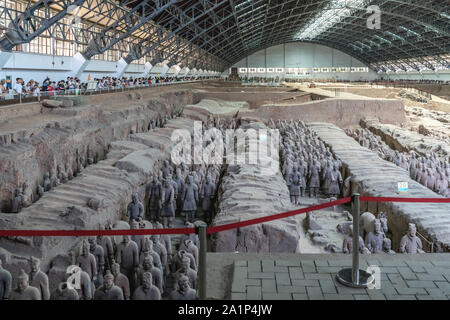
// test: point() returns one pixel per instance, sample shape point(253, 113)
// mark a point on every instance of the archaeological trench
point(115, 144)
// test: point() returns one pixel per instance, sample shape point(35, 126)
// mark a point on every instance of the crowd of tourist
point(74, 85)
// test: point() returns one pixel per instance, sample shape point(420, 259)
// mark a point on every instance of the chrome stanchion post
point(355, 252)
point(201, 231)
point(354, 277)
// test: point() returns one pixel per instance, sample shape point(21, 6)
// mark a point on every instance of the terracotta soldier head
point(85, 248)
point(148, 262)
point(109, 280)
point(22, 281)
point(115, 269)
point(147, 280)
point(35, 264)
point(135, 198)
point(412, 230)
point(183, 284)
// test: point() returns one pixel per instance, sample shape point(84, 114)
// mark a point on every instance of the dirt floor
point(392, 94)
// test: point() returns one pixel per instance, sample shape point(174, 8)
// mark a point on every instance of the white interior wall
point(304, 55)
point(440, 75)
point(38, 67)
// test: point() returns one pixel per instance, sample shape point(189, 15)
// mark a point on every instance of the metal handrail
point(27, 98)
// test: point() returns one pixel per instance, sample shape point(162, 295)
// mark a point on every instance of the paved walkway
point(312, 277)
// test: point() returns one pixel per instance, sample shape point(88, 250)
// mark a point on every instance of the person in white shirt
point(36, 91)
point(18, 87)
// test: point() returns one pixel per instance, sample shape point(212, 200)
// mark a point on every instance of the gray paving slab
point(276, 296)
point(288, 263)
point(300, 296)
point(307, 283)
point(296, 273)
point(402, 278)
point(308, 266)
point(317, 276)
point(269, 285)
point(291, 289)
point(261, 275)
point(282, 278)
point(327, 286)
point(407, 273)
point(254, 266)
point(420, 284)
point(254, 293)
point(314, 293)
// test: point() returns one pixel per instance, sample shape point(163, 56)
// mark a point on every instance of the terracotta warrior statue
point(167, 203)
point(375, 238)
point(188, 272)
point(183, 290)
point(87, 288)
point(166, 169)
point(157, 275)
point(64, 292)
point(294, 183)
point(17, 202)
point(135, 209)
point(108, 291)
point(165, 239)
point(147, 249)
point(179, 180)
point(335, 180)
point(160, 249)
point(98, 253)
point(314, 178)
point(147, 291)
point(61, 175)
point(86, 261)
point(189, 246)
point(127, 256)
point(121, 280)
point(207, 193)
point(54, 179)
point(27, 195)
point(347, 246)
point(155, 194)
point(387, 246)
point(190, 199)
point(108, 250)
point(39, 279)
point(5, 282)
point(69, 171)
point(47, 182)
point(139, 238)
point(411, 243)
point(177, 260)
point(24, 291)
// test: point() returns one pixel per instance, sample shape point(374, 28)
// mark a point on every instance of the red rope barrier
point(84, 233)
point(389, 199)
point(210, 230)
point(276, 216)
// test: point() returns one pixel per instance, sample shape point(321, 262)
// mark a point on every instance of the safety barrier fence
point(27, 98)
point(351, 277)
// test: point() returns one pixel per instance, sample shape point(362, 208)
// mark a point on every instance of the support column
point(121, 67)
point(147, 68)
point(79, 64)
point(4, 58)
